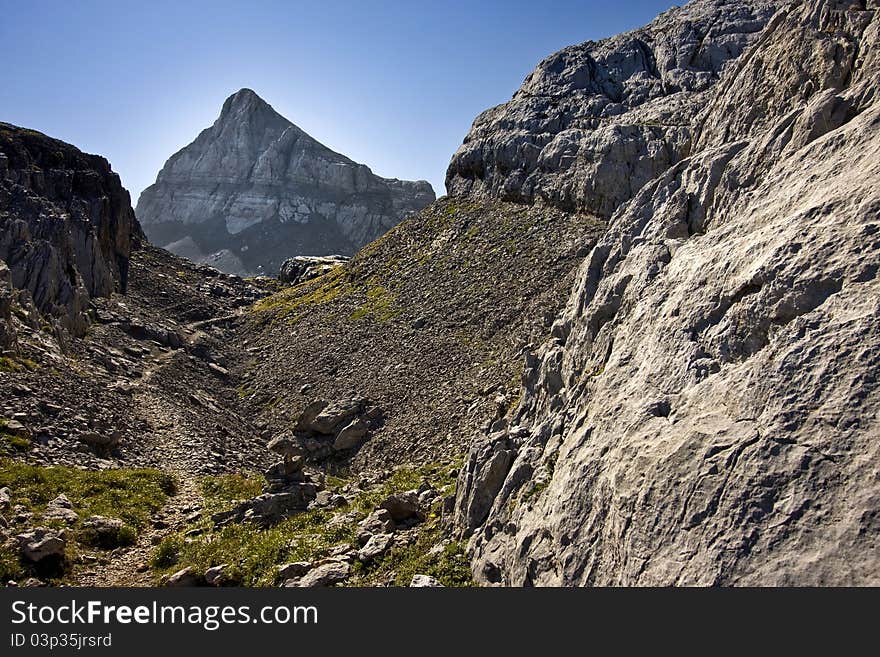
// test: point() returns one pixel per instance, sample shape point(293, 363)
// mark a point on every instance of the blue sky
point(395, 85)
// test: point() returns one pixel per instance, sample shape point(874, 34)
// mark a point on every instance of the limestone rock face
point(706, 410)
point(7, 330)
point(261, 190)
point(66, 225)
point(595, 122)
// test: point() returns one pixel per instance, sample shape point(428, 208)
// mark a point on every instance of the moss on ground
point(316, 292)
point(16, 364)
point(380, 305)
point(11, 443)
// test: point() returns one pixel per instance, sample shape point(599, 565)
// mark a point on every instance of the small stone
point(217, 576)
point(214, 367)
point(293, 570)
point(16, 428)
point(184, 577)
point(5, 498)
point(420, 581)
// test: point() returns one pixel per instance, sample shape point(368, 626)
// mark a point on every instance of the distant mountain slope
point(261, 190)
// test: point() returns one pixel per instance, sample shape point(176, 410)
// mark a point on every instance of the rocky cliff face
point(66, 225)
point(261, 190)
point(595, 122)
point(706, 410)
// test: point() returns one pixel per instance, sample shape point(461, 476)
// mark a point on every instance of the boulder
point(378, 522)
point(41, 543)
point(304, 268)
point(287, 446)
point(326, 574)
point(219, 576)
point(375, 547)
point(60, 509)
point(402, 506)
point(106, 533)
point(335, 414)
point(294, 570)
point(351, 434)
point(307, 417)
point(105, 440)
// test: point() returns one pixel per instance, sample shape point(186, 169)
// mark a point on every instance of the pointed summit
point(243, 99)
point(246, 102)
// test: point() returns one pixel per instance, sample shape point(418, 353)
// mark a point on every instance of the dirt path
point(130, 566)
point(178, 446)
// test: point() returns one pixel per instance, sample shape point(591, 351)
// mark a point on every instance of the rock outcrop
point(706, 409)
point(7, 298)
point(304, 268)
point(595, 122)
point(66, 225)
point(258, 190)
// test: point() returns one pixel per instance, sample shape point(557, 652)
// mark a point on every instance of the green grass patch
point(450, 566)
point(10, 444)
point(128, 494)
point(380, 305)
point(220, 490)
point(405, 479)
point(10, 565)
point(252, 554)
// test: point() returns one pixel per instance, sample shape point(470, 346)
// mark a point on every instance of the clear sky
point(394, 85)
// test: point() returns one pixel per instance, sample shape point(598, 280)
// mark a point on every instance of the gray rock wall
point(66, 225)
point(706, 411)
point(595, 122)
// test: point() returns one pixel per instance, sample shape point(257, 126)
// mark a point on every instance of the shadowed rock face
point(261, 190)
point(706, 410)
point(66, 225)
point(595, 122)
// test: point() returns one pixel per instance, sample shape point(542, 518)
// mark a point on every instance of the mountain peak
point(244, 101)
